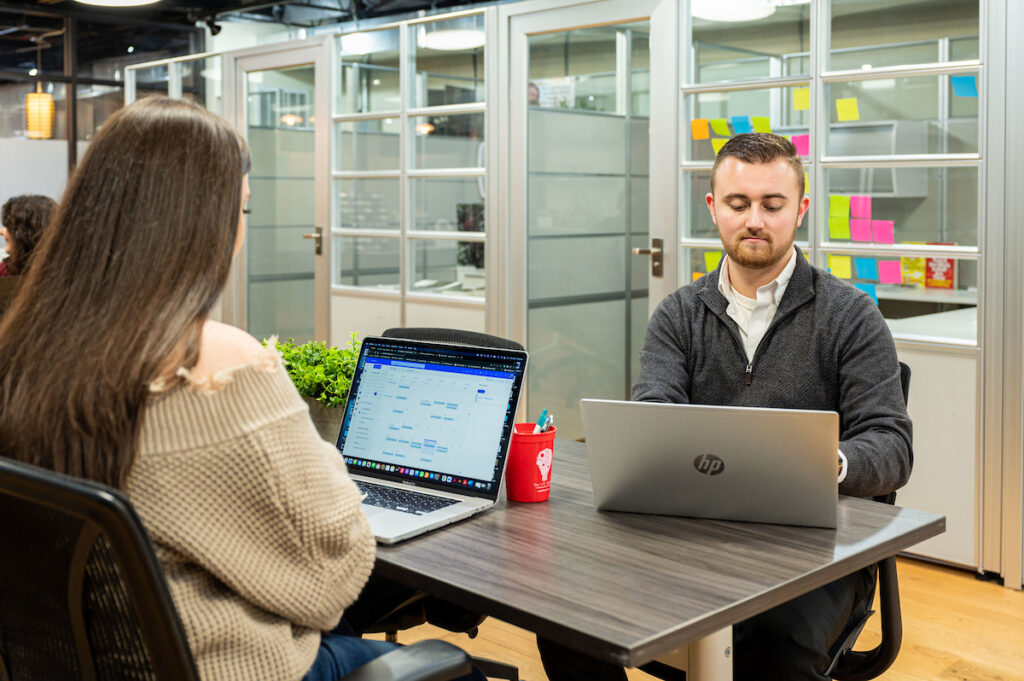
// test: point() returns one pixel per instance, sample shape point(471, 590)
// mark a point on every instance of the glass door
point(586, 188)
point(282, 281)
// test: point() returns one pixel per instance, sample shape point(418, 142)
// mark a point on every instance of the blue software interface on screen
point(437, 417)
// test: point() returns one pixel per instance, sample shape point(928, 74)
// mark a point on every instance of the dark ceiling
point(33, 30)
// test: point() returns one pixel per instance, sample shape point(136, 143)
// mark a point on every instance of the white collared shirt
point(754, 316)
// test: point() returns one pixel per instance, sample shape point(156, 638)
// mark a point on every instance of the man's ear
point(710, 198)
point(805, 202)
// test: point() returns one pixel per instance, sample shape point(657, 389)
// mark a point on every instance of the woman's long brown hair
point(119, 287)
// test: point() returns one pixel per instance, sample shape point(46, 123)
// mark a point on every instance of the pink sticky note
point(889, 272)
point(860, 206)
point(802, 144)
point(882, 231)
point(860, 230)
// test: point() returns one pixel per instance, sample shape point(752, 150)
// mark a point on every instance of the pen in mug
point(541, 421)
point(548, 422)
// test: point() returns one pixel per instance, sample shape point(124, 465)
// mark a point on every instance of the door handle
point(318, 239)
point(657, 256)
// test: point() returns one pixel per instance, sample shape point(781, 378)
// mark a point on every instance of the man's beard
point(756, 258)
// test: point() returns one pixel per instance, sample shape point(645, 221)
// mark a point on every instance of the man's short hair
point(760, 147)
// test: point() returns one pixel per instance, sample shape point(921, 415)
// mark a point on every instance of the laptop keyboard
point(402, 500)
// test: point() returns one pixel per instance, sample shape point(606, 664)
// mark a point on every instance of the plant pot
point(326, 419)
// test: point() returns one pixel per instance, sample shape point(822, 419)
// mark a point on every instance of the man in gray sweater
point(768, 330)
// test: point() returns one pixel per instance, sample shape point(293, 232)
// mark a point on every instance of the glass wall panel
point(716, 116)
point(449, 61)
point(448, 141)
point(903, 205)
point(447, 267)
point(904, 116)
point(201, 82)
point(448, 204)
point(728, 46)
point(368, 145)
point(367, 204)
point(578, 69)
point(898, 32)
point(372, 262)
point(369, 65)
point(697, 223)
point(151, 81)
point(940, 294)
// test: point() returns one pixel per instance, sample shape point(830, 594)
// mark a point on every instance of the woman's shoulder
point(223, 347)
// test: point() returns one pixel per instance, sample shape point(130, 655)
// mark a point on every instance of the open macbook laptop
point(726, 463)
point(426, 431)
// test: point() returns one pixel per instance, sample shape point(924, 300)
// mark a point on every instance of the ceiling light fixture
point(118, 3)
point(463, 33)
point(732, 10)
point(39, 108)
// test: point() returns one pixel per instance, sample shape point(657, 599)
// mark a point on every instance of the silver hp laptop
point(726, 463)
point(426, 431)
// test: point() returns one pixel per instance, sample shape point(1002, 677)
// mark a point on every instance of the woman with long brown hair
point(111, 370)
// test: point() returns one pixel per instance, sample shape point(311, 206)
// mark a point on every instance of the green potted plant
point(322, 374)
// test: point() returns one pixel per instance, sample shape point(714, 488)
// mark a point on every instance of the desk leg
point(711, 657)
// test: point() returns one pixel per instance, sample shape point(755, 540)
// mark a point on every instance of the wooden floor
point(955, 628)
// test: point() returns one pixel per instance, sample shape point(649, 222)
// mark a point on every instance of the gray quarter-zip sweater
point(827, 348)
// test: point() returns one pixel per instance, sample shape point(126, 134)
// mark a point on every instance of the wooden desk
point(631, 588)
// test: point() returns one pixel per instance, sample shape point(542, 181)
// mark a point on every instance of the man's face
point(757, 208)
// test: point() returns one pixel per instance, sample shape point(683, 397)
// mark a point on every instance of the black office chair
point(854, 665)
point(82, 595)
point(421, 608)
point(849, 664)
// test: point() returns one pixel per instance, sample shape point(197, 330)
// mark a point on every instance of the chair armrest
point(424, 661)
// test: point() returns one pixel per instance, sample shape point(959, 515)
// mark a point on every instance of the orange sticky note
point(801, 98)
point(700, 129)
point(717, 144)
point(697, 275)
point(846, 109)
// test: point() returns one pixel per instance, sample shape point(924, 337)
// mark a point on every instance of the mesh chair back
point(81, 593)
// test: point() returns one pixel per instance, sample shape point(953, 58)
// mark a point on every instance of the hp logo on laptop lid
point(709, 464)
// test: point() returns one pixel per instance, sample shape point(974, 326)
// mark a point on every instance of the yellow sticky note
point(838, 228)
point(839, 206)
point(697, 275)
point(839, 265)
point(711, 260)
point(699, 129)
point(717, 143)
point(846, 109)
point(762, 124)
point(721, 127)
point(801, 98)
point(807, 183)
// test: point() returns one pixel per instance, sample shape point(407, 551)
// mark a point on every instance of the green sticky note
point(838, 206)
point(711, 260)
point(846, 109)
point(717, 143)
point(838, 227)
point(807, 183)
point(801, 98)
point(839, 266)
point(721, 127)
point(762, 124)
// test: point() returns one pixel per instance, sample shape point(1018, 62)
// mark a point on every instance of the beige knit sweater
point(254, 519)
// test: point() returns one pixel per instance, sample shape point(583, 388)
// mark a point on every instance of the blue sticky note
point(965, 86)
point(742, 124)
point(870, 290)
point(867, 268)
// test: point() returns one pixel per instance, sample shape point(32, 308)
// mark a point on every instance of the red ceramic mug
point(528, 468)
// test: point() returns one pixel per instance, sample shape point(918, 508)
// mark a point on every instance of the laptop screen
point(438, 415)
